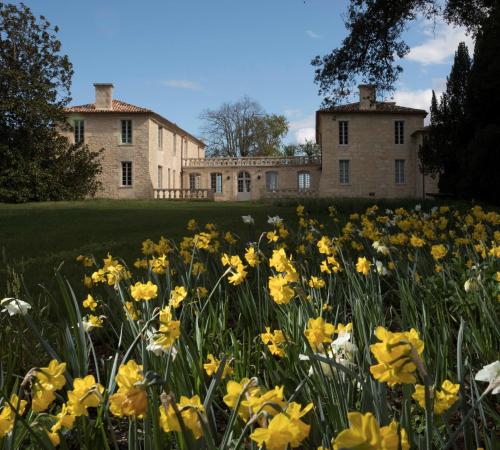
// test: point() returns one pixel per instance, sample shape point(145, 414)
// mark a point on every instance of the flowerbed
point(378, 333)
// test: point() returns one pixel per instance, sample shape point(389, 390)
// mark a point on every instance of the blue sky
point(179, 57)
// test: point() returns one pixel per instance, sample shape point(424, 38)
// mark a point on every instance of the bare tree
point(242, 128)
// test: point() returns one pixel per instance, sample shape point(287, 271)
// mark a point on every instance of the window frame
point(194, 181)
point(344, 172)
point(126, 133)
point(399, 132)
point(272, 187)
point(160, 137)
point(343, 132)
point(160, 177)
point(400, 171)
point(216, 182)
point(244, 182)
point(126, 174)
point(79, 131)
point(174, 137)
point(305, 184)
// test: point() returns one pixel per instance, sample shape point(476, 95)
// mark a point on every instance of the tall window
point(272, 181)
point(399, 130)
point(160, 177)
point(343, 132)
point(79, 131)
point(126, 173)
point(304, 180)
point(174, 143)
point(216, 182)
point(173, 179)
point(160, 137)
point(168, 181)
point(243, 182)
point(400, 171)
point(194, 181)
point(126, 131)
point(344, 171)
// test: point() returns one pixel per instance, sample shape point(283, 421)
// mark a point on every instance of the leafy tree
point(36, 162)
point(243, 128)
point(374, 42)
point(309, 149)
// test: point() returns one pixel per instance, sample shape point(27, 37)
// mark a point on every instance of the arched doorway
point(244, 186)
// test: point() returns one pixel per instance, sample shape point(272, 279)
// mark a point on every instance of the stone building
point(368, 149)
point(143, 151)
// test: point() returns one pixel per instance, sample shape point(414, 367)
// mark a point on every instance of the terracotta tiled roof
point(117, 106)
point(380, 107)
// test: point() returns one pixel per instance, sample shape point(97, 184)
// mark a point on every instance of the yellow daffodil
point(90, 303)
point(131, 398)
point(144, 291)
point(363, 266)
point(86, 394)
point(365, 433)
point(319, 332)
point(212, 366)
point(51, 378)
point(396, 355)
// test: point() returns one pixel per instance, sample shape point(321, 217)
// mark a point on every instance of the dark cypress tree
point(481, 161)
point(452, 129)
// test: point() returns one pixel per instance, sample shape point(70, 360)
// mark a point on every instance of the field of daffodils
point(380, 330)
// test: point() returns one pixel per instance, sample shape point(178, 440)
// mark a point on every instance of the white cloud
point(312, 34)
point(442, 42)
point(419, 98)
point(303, 129)
point(305, 134)
point(182, 84)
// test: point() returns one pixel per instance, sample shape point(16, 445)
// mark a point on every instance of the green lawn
point(36, 238)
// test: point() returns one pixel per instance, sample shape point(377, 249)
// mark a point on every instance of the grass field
point(37, 238)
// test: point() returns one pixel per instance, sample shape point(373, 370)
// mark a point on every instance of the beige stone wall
point(104, 131)
point(372, 153)
point(164, 156)
point(287, 179)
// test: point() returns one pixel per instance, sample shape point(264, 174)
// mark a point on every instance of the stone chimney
point(367, 97)
point(103, 96)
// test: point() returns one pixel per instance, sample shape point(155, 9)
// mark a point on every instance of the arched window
point(304, 180)
point(194, 181)
point(243, 182)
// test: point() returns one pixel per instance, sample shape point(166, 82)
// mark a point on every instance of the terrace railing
point(252, 161)
point(290, 193)
point(183, 194)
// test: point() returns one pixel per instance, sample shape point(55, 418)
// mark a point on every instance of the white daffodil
point(490, 374)
point(248, 220)
point(381, 270)
point(380, 248)
point(156, 348)
point(418, 207)
point(470, 285)
point(340, 352)
point(15, 306)
point(275, 220)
